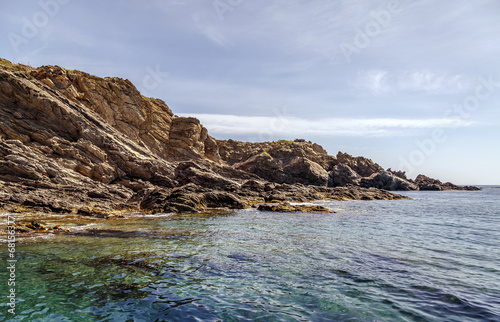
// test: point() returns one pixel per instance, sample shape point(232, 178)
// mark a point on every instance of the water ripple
point(433, 258)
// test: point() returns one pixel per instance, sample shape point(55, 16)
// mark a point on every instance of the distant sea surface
point(433, 258)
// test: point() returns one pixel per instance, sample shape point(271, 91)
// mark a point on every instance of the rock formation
point(309, 164)
point(73, 142)
point(426, 183)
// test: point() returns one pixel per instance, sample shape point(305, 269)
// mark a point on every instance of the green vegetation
point(290, 142)
point(5, 62)
point(158, 101)
point(285, 142)
point(265, 154)
point(150, 98)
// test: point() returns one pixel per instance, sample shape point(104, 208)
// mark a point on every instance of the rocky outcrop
point(287, 207)
point(281, 161)
point(362, 166)
point(388, 181)
point(71, 156)
point(307, 163)
point(189, 198)
point(426, 183)
point(73, 142)
point(342, 175)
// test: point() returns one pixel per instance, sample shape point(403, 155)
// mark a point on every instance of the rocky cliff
point(73, 142)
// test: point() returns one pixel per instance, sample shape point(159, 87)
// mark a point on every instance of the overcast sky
point(413, 85)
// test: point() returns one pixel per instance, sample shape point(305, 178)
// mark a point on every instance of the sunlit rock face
point(74, 142)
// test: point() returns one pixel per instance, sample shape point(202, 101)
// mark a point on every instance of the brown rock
point(362, 166)
point(73, 142)
point(342, 175)
point(426, 183)
point(286, 207)
point(388, 181)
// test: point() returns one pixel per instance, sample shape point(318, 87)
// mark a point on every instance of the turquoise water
point(433, 258)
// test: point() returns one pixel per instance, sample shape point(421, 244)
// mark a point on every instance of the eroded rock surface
point(74, 142)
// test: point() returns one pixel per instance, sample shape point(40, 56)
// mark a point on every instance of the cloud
point(427, 81)
point(381, 82)
point(376, 81)
point(286, 126)
point(210, 30)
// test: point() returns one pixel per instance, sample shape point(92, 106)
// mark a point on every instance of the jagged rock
point(342, 175)
point(254, 187)
point(153, 199)
point(189, 198)
point(234, 152)
point(399, 174)
point(277, 207)
point(362, 166)
point(286, 207)
point(281, 161)
point(52, 140)
point(388, 181)
point(426, 183)
point(36, 227)
point(182, 199)
point(71, 142)
point(189, 139)
point(307, 172)
point(194, 173)
point(264, 166)
point(218, 199)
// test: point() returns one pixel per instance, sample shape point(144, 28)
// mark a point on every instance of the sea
point(434, 257)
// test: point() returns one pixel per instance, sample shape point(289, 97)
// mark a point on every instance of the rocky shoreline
point(71, 142)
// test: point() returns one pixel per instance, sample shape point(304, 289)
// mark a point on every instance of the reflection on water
point(431, 258)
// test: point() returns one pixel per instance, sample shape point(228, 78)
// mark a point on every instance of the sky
point(412, 85)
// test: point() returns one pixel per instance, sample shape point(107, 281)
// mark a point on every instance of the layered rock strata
point(73, 142)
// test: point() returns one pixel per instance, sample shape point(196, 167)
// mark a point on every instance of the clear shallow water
point(436, 257)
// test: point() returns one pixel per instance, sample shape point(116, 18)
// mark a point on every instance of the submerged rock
point(36, 227)
point(287, 207)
